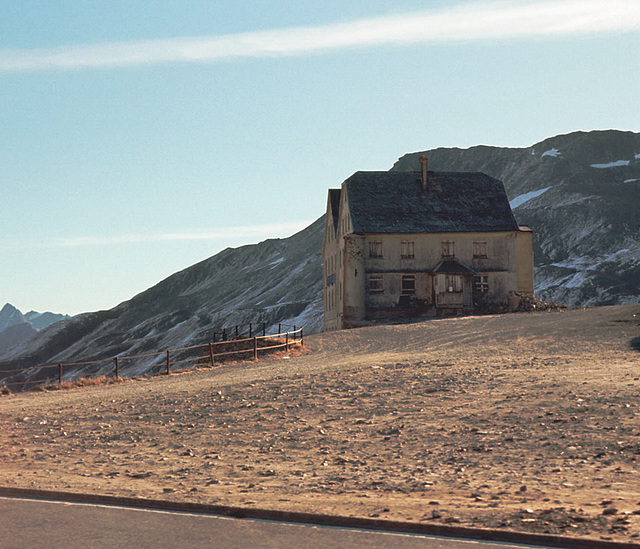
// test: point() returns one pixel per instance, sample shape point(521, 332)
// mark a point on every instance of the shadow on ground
point(635, 343)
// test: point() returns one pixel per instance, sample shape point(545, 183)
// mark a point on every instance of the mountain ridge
point(17, 328)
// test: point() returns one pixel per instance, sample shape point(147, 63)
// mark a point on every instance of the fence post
point(264, 329)
point(295, 336)
point(236, 331)
point(301, 338)
point(168, 364)
point(117, 372)
point(59, 374)
point(211, 353)
point(286, 342)
point(255, 348)
point(214, 337)
point(224, 334)
point(279, 329)
point(250, 330)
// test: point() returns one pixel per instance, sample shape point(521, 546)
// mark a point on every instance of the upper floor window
point(375, 249)
point(480, 249)
point(448, 249)
point(406, 250)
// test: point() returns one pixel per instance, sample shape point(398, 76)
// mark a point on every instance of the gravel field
point(526, 421)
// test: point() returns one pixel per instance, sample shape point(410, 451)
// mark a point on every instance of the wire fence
point(239, 343)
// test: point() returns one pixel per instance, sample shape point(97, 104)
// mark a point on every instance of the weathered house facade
point(433, 243)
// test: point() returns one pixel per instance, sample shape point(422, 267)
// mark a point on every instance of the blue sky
point(140, 137)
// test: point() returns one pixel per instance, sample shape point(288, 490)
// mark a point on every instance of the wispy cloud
point(463, 22)
point(274, 230)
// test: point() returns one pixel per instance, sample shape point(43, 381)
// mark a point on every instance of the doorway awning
point(451, 266)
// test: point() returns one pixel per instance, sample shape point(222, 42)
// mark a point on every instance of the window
point(448, 249)
point(481, 284)
point(480, 249)
point(453, 283)
point(376, 283)
point(406, 250)
point(408, 285)
point(375, 249)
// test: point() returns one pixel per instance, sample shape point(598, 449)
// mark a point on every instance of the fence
point(237, 331)
point(202, 355)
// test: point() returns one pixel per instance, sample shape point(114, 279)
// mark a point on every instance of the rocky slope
point(16, 334)
point(580, 193)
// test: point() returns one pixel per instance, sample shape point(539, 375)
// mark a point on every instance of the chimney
point(424, 161)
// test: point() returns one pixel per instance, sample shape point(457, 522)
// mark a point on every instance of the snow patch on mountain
point(611, 164)
point(589, 263)
point(573, 274)
point(276, 262)
point(311, 318)
point(631, 180)
point(521, 199)
point(555, 153)
point(573, 199)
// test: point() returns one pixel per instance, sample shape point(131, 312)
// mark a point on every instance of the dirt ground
point(526, 421)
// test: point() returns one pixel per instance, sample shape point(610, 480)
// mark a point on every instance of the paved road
point(25, 524)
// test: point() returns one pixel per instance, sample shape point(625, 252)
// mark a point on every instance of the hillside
point(524, 421)
point(16, 334)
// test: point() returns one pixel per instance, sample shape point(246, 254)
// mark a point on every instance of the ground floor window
point(376, 283)
point(408, 284)
point(481, 284)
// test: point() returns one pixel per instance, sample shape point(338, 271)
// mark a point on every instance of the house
point(434, 243)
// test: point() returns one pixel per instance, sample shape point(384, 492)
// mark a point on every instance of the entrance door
point(450, 290)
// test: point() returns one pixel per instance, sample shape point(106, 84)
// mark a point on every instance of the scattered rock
point(139, 475)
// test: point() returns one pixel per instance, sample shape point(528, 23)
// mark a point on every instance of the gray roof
point(394, 202)
point(334, 197)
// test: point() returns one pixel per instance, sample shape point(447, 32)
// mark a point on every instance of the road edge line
point(297, 517)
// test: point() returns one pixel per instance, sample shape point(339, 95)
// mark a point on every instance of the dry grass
point(525, 421)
